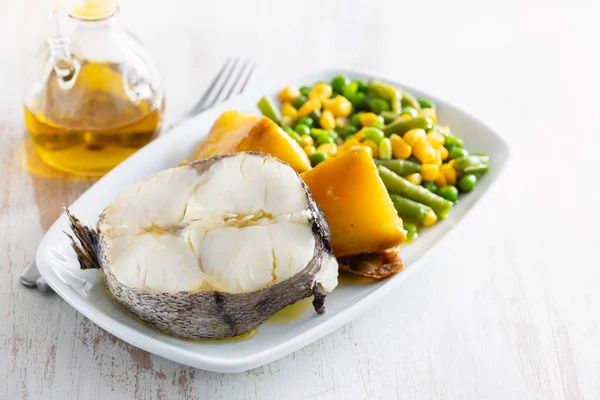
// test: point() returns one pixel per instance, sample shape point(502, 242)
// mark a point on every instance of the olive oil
point(89, 125)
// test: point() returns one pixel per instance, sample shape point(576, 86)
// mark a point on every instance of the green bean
point(472, 164)
point(412, 210)
point(401, 127)
point(389, 116)
point(411, 231)
point(408, 100)
point(424, 103)
point(398, 185)
point(449, 139)
point(269, 110)
point(386, 92)
point(400, 167)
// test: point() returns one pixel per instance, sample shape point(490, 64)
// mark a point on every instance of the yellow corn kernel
point(306, 140)
point(310, 150)
point(339, 106)
point(328, 148)
point(288, 110)
point(360, 136)
point(289, 93)
point(374, 147)
point(443, 153)
point(403, 117)
point(430, 172)
point(430, 218)
point(320, 91)
point(414, 178)
point(424, 152)
point(367, 118)
point(348, 144)
point(441, 180)
point(286, 121)
point(400, 149)
point(449, 173)
point(327, 120)
point(451, 163)
point(435, 139)
point(308, 107)
point(438, 157)
point(341, 122)
point(428, 112)
point(414, 135)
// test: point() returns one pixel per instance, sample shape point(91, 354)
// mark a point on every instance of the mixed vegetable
point(423, 165)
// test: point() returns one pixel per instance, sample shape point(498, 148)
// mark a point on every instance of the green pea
point(308, 121)
point(323, 139)
point(348, 130)
point(339, 82)
point(355, 120)
point(424, 103)
point(305, 90)
point(362, 86)
point(457, 152)
point(410, 111)
point(350, 90)
point(299, 101)
point(411, 231)
point(358, 100)
point(467, 183)
point(449, 193)
point(379, 105)
point(302, 129)
point(317, 158)
point(432, 187)
point(373, 134)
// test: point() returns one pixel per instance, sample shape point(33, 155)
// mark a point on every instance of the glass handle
point(58, 40)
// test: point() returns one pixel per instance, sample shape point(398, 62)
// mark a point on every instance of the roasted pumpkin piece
point(356, 204)
point(234, 132)
point(267, 137)
point(225, 135)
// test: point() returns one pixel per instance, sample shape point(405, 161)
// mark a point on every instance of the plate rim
point(304, 338)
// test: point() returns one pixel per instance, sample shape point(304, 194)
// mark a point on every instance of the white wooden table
point(509, 309)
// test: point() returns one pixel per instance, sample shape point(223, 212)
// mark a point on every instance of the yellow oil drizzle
point(347, 279)
point(291, 312)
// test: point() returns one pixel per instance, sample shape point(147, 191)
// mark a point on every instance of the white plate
point(58, 265)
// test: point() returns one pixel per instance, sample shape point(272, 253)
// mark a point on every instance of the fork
point(231, 80)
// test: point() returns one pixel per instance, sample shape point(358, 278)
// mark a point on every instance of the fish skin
point(209, 314)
